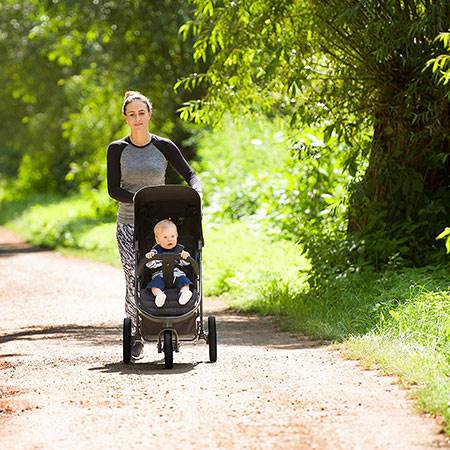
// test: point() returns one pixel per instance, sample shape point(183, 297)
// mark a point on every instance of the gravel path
point(63, 386)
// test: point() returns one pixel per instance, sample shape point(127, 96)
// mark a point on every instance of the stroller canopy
point(181, 204)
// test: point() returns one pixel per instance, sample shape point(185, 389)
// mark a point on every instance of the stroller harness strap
point(167, 269)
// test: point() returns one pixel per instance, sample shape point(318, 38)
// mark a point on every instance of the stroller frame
point(175, 324)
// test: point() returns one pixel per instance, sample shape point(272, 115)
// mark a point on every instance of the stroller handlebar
point(171, 258)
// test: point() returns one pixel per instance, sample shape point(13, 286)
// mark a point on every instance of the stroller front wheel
point(212, 338)
point(168, 349)
point(127, 340)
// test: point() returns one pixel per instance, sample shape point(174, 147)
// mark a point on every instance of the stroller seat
point(171, 307)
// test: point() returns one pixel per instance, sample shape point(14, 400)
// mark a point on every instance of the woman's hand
point(150, 254)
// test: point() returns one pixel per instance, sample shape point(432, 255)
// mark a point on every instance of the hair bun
point(130, 96)
point(130, 93)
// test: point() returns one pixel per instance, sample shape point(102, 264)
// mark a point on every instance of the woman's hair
point(163, 225)
point(131, 96)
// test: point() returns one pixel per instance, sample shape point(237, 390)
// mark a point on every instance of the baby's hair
point(164, 224)
point(131, 96)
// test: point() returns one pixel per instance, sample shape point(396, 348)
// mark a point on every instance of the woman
point(138, 160)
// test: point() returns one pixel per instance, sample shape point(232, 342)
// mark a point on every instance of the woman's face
point(137, 115)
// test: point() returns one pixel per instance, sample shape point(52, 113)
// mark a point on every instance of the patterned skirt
point(124, 234)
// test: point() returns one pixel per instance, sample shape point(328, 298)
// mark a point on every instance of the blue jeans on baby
point(158, 282)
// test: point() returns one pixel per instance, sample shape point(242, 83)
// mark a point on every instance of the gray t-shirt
point(132, 167)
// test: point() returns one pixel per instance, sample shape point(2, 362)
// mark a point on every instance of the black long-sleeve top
point(131, 167)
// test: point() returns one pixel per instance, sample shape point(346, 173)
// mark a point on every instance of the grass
point(413, 341)
point(397, 321)
point(244, 264)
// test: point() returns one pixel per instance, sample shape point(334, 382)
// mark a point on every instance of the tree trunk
point(403, 199)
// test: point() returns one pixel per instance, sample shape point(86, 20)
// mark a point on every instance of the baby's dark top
point(132, 167)
point(177, 249)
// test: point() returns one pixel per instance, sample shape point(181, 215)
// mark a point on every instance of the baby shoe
point(185, 296)
point(160, 299)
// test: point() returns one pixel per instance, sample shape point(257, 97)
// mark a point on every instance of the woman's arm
point(114, 174)
point(179, 163)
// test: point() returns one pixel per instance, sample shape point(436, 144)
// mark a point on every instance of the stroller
point(172, 323)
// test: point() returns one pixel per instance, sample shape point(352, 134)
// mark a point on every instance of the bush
point(244, 263)
point(55, 222)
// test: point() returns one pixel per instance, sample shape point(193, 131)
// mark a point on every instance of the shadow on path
point(7, 249)
point(149, 368)
point(251, 330)
point(89, 334)
point(232, 329)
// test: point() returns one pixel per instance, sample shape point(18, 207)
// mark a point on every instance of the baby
point(166, 236)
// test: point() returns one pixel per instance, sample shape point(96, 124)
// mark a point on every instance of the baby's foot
point(160, 299)
point(185, 296)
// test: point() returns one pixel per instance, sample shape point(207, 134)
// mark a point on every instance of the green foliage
point(65, 68)
point(244, 263)
point(331, 61)
point(259, 168)
point(441, 67)
point(32, 109)
point(243, 167)
point(445, 235)
point(80, 221)
point(441, 64)
point(290, 186)
point(353, 68)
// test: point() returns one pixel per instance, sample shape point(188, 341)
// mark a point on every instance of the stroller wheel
point(127, 340)
point(168, 349)
point(212, 338)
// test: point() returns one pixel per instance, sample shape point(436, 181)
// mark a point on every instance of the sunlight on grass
point(418, 366)
point(243, 262)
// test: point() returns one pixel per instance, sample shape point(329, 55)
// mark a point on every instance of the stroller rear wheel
point(127, 340)
point(168, 349)
point(212, 338)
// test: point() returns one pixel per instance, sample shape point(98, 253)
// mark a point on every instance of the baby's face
point(167, 238)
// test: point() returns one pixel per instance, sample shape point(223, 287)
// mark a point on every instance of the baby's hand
point(185, 254)
point(150, 254)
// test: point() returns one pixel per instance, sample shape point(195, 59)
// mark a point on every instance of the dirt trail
point(63, 386)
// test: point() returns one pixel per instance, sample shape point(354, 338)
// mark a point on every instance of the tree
point(350, 66)
point(29, 95)
point(66, 66)
point(441, 67)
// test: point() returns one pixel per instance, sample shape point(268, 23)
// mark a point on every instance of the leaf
point(445, 233)
point(327, 133)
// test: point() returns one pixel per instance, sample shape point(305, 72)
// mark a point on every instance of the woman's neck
point(140, 138)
